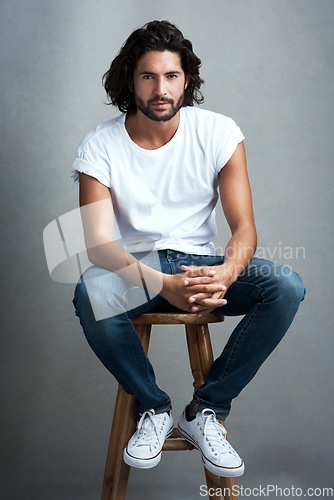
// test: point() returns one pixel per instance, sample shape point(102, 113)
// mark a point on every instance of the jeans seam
point(171, 262)
point(144, 357)
point(204, 403)
point(236, 344)
point(238, 339)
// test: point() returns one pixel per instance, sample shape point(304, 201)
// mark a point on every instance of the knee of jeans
point(290, 285)
point(299, 286)
point(81, 300)
point(105, 303)
point(92, 299)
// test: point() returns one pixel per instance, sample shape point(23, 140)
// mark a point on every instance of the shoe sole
point(144, 463)
point(210, 466)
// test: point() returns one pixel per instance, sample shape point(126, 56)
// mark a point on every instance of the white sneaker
point(209, 437)
point(144, 447)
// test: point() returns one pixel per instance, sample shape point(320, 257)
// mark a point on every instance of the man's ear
point(186, 82)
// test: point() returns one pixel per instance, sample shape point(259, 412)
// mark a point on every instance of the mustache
point(161, 99)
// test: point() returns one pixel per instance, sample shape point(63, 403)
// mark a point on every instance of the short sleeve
point(91, 159)
point(230, 137)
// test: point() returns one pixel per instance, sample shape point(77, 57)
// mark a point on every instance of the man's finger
point(208, 303)
point(211, 289)
point(200, 296)
point(198, 280)
point(198, 271)
point(203, 312)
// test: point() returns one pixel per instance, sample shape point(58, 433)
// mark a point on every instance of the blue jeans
point(266, 294)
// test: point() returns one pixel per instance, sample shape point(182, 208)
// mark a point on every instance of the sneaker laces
point(149, 428)
point(215, 433)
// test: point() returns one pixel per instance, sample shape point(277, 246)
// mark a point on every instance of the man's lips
point(160, 104)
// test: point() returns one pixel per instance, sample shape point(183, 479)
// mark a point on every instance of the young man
point(149, 182)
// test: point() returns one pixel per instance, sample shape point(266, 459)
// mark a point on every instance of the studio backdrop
point(269, 66)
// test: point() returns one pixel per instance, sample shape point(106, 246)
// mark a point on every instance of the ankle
point(190, 414)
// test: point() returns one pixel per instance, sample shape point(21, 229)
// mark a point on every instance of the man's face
point(159, 84)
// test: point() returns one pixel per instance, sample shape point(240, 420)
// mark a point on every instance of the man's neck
point(149, 134)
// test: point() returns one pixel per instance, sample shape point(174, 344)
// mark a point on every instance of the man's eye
point(172, 76)
point(147, 77)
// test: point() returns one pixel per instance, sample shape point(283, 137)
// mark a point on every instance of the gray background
point(269, 65)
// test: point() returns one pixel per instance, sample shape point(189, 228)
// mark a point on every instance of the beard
point(155, 115)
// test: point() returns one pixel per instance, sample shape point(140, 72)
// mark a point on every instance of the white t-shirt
point(163, 198)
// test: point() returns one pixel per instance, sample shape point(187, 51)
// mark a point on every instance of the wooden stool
point(124, 425)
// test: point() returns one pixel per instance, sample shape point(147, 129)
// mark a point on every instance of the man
point(149, 183)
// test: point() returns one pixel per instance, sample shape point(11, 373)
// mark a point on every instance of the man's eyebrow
point(154, 74)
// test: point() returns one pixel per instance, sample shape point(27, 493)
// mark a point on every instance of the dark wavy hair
point(158, 36)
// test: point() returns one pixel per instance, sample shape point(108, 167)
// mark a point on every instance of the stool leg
point(117, 471)
point(213, 484)
point(116, 474)
point(204, 348)
point(218, 484)
point(144, 333)
point(201, 360)
point(194, 355)
point(206, 356)
point(226, 484)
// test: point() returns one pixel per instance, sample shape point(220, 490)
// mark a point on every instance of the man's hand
point(198, 276)
point(187, 293)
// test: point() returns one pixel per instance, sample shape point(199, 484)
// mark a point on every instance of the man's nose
point(160, 88)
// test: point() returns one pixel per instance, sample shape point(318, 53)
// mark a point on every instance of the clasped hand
point(198, 289)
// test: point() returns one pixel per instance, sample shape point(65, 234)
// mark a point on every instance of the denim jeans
point(266, 294)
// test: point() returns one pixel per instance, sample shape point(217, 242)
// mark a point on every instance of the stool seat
point(175, 319)
point(201, 358)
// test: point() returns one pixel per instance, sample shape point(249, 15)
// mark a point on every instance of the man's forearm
point(240, 250)
point(115, 258)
